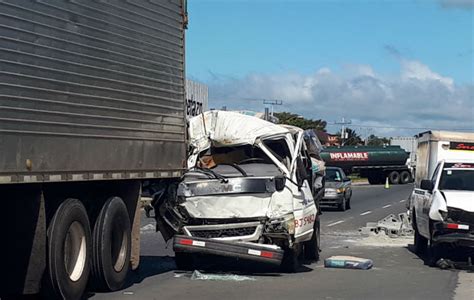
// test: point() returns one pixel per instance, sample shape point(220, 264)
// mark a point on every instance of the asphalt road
point(397, 274)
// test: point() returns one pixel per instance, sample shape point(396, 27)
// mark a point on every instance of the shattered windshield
point(244, 160)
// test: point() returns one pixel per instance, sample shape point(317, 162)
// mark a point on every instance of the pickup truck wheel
point(111, 246)
point(184, 261)
point(405, 177)
point(420, 242)
point(435, 253)
point(69, 250)
point(394, 177)
point(311, 247)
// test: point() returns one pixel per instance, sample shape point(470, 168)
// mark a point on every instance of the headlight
point(340, 190)
point(290, 225)
point(287, 222)
point(444, 214)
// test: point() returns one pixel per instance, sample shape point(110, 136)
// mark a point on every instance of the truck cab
point(442, 207)
point(246, 194)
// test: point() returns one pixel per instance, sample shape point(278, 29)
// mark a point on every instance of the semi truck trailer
point(92, 105)
point(374, 163)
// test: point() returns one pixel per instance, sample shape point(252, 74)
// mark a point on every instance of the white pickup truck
point(443, 208)
point(442, 203)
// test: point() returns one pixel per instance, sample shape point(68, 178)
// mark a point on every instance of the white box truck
point(434, 146)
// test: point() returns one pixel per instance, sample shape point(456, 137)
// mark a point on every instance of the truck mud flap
point(246, 251)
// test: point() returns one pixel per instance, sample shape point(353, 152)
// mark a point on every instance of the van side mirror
point(426, 185)
point(280, 182)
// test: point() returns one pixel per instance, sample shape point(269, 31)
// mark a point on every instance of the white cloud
point(416, 97)
point(412, 69)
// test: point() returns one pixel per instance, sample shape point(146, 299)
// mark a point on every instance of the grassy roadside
point(356, 178)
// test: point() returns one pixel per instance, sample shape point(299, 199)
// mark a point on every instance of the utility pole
point(343, 124)
point(272, 103)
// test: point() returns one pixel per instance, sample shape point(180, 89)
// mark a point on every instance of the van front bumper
point(244, 250)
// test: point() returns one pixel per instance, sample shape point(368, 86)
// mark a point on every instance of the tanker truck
point(374, 163)
point(92, 106)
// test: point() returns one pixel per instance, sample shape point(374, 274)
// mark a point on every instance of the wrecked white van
point(247, 193)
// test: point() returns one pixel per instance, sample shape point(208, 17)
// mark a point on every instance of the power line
point(414, 128)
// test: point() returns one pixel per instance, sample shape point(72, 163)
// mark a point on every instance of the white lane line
point(366, 213)
point(386, 206)
point(335, 223)
point(401, 201)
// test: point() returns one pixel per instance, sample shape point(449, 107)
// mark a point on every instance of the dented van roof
point(226, 128)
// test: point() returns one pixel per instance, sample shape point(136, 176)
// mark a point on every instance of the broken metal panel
point(224, 128)
point(248, 231)
point(240, 185)
point(392, 226)
point(228, 206)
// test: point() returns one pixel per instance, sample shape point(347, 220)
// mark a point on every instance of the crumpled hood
point(240, 205)
point(460, 199)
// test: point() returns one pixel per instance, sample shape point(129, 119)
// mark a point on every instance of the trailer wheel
point(394, 177)
point(111, 246)
point(69, 250)
point(312, 247)
point(405, 177)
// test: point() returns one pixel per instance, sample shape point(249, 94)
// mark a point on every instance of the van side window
point(279, 148)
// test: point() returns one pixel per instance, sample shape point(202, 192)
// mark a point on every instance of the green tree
point(299, 121)
point(353, 139)
point(374, 140)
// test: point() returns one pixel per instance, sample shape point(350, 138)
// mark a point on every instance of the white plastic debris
point(219, 277)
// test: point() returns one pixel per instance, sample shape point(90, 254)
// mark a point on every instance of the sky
point(391, 67)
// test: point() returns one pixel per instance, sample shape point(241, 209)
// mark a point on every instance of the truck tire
point(111, 246)
point(420, 242)
point(69, 252)
point(405, 177)
point(184, 261)
point(435, 253)
point(312, 247)
point(394, 177)
point(291, 259)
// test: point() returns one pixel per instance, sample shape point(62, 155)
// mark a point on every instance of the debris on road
point(219, 277)
point(348, 262)
point(444, 263)
point(393, 226)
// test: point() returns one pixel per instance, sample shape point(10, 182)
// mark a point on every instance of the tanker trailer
point(374, 163)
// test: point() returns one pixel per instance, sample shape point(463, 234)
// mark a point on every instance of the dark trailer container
point(375, 163)
point(91, 105)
